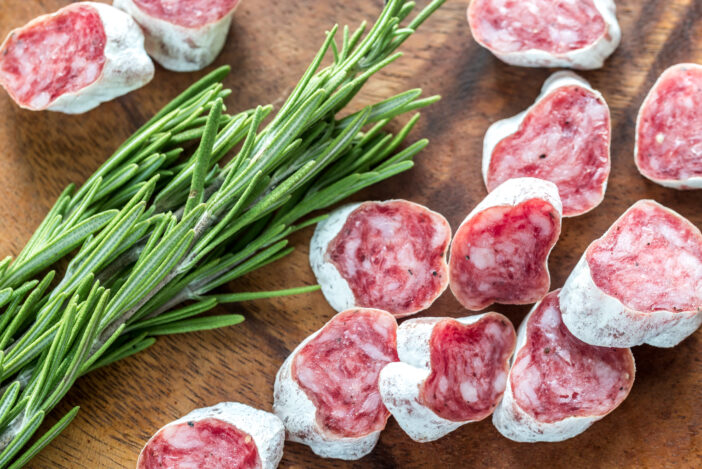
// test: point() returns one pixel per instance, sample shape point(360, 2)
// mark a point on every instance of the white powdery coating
point(127, 66)
point(299, 416)
point(176, 47)
point(400, 382)
point(334, 287)
point(265, 428)
point(504, 128)
point(517, 191)
point(694, 182)
point(517, 425)
point(597, 318)
point(586, 58)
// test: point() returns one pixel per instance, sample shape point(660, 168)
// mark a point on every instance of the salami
point(326, 392)
point(639, 283)
point(500, 252)
point(73, 60)
point(564, 137)
point(558, 385)
point(668, 145)
point(546, 33)
point(386, 255)
point(182, 35)
point(451, 372)
point(228, 435)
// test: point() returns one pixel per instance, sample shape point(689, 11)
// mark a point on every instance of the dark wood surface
point(271, 43)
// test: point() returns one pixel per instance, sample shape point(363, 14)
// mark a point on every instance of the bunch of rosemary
point(153, 228)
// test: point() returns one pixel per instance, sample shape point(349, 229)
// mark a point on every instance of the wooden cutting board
point(270, 45)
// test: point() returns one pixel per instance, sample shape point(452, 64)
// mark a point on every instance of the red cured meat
point(669, 141)
point(338, 371)
point(498, 255)
point(59, 54)
point(468, 367)
point(187, 13)
point(203, 444)
point(564, 138)
point(519, 25)
point(392, 254)
point(556, 376)
point(650, 260)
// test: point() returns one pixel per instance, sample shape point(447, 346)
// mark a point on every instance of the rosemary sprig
point(158, 225)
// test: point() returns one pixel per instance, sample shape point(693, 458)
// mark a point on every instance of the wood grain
point(271, 43)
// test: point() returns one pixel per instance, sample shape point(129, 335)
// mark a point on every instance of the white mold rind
point(176, 47)
point(335, 288)
point(299, 416)
point(586, 58)
point(507, 127)
point(517, 425)
point(694, 182)
point(597, 318)
point(127, 66)
point(265, 428)
point(516, 191)
point(400, 382)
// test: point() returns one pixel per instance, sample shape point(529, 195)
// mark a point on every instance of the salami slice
point(326, 392)
point(228, 435)
point(558, 385)
point(564, 137)
point(500, 252)
point(73, 60)
point(546, 33)
point(386, 255)
point(639, 283)
point(668, 144)
point(452, 372)
point(182, 35)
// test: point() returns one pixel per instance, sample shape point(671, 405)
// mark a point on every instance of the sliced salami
point(73, 60)
point(326, 392)
point(668, 144)
point(386, 255)
point(558, 385)
point(546, 33)
point(639, 283)
point(564, 137)
point(230, 435)
point(500, 252)
point(452, 372)
point(182, 35)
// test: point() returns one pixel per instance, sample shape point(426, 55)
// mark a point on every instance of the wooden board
point(271, 43)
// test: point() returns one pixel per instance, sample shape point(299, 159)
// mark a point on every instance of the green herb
point(158, 226)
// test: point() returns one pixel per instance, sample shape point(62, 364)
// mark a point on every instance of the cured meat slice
point(227, 435)
point(182, 35)
point(452, 372)
point(500, 252)
point(564, 137)
point(668, 144)
point(558, 385)
point(326, 392)
point(386, 255)
point(546, 33)
point(639, 283)
point(73, 60)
